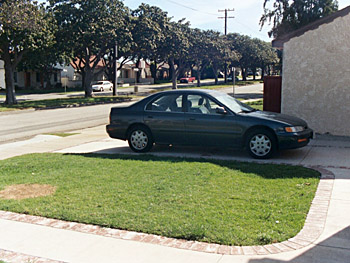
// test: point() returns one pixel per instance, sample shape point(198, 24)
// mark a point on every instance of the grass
point(48, 91)
point(66, 102)
point(224, 202)
point(258, 104)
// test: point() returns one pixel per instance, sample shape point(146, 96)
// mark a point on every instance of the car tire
point(101, 89)
point(261, 144)
point(140, 139)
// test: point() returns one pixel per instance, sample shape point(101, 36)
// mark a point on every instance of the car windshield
point(99, 83)
point(234, 105)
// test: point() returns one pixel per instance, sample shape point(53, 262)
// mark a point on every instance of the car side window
point(201, 104)
point(168, 103)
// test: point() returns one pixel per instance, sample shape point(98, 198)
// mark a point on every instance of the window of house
point(55, 77)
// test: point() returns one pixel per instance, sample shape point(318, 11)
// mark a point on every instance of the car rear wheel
point(261, 144)
point(140, 139)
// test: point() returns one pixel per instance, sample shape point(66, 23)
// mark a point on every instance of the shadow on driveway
point(335, 249)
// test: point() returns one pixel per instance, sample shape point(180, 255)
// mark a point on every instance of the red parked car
point(187, 80)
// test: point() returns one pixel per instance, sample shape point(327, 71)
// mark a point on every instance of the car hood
point(283, 118)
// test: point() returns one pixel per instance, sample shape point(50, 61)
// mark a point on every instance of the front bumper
point(294, 140)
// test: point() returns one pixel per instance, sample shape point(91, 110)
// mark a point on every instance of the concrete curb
point(313, 228)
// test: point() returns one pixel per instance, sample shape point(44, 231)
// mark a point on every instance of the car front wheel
point(140, 139)
point(261, 144)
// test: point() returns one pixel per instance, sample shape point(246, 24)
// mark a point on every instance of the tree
point(24, 26)
point(45, 58)
point(265, 57)
point(90, 29)
point(247, 49)
point(289, 15)
point(220, 51)
point(209, 48)
point(148, 26)
point(175, 48)
point(199, 51)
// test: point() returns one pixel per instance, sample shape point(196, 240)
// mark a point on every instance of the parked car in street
point(205, 118)
point(187, 80)
point(102, 86)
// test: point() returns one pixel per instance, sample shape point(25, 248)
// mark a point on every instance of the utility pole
point(115, 69)
point(226, 17)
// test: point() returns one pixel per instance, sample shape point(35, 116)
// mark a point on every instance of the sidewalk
point(245, 92)
point(325, 237)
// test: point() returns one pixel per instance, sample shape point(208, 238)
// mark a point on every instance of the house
point(128, 73)
point(33, 79)
point(316, 73)
point(71, 77)
point(29, 78)
point(67, 75)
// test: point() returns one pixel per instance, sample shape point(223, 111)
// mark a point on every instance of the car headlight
point(294, 129)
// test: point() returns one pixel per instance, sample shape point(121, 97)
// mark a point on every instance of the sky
point(204, 14)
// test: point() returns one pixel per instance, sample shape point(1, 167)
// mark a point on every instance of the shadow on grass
point(267, 171)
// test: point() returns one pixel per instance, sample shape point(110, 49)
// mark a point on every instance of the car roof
point(213, 93)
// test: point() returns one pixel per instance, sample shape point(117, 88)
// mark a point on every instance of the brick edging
point(19, 257)
point(313, 227)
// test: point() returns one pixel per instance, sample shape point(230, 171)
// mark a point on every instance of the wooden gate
point(272, 93)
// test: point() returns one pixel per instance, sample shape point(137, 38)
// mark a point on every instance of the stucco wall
point(316, 77)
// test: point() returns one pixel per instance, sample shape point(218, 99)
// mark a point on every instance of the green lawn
point(52, 103)
point(223, 202)
point(258, 104)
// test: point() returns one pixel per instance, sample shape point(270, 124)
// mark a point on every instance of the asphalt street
point(19, 125)
point(26, 124)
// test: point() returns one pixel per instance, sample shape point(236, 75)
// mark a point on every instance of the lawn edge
point(313, 228)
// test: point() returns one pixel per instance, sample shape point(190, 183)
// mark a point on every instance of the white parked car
point(102, 86)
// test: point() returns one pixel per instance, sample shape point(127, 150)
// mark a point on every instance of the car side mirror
point(221, 110)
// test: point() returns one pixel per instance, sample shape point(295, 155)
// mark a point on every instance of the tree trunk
point(87, 82)
point(215, 71)
point(138, 73)
point(198, 78)
point(254, 74)
point(174, 73)
point(153, 68)
point(244, 77)
point(262, 71)
point(47, 78)
point(10, 88)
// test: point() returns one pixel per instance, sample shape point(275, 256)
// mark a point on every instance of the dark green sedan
point(205, 118)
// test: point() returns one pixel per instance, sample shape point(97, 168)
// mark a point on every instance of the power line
point(212, 14)
point(190, 8)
